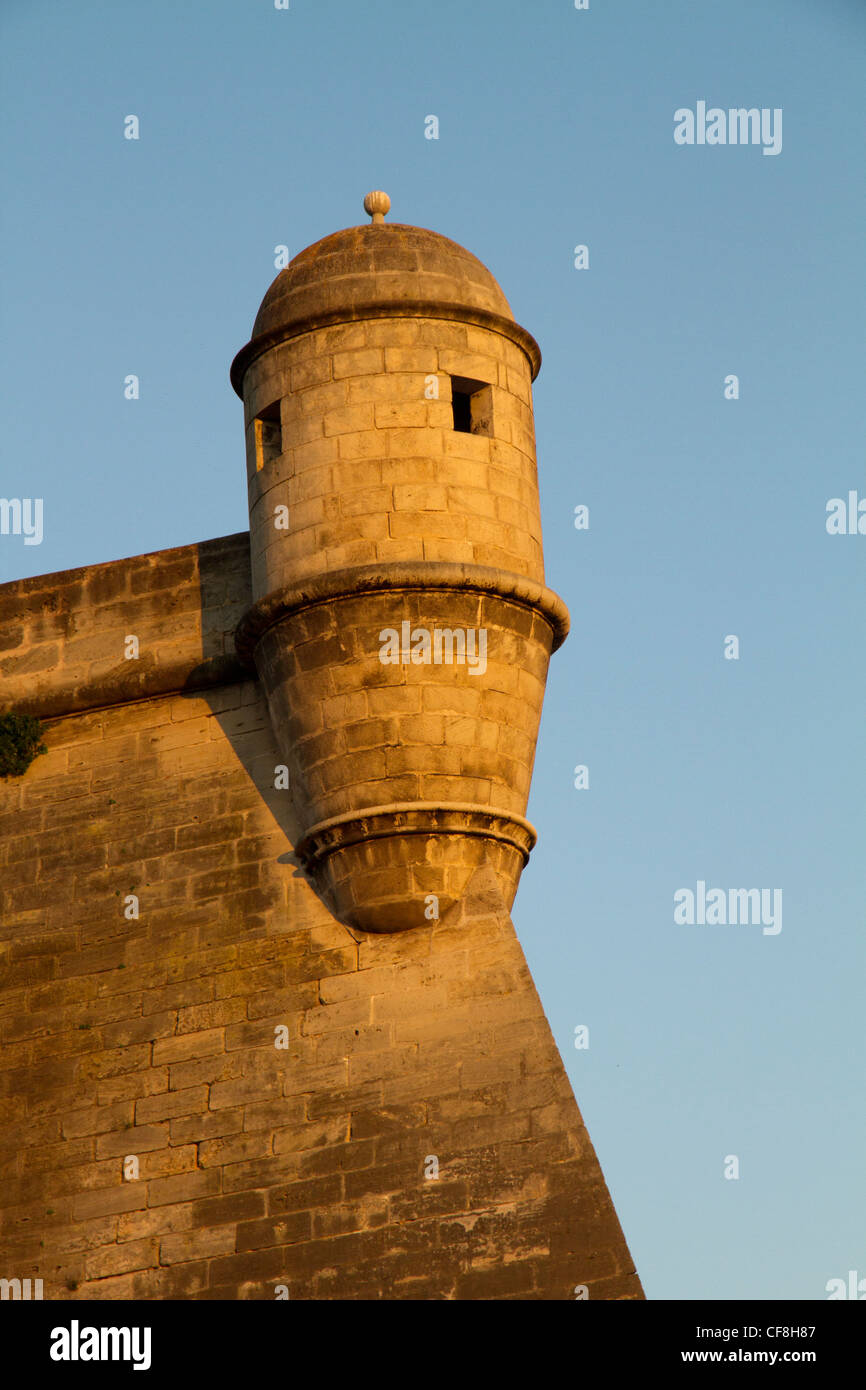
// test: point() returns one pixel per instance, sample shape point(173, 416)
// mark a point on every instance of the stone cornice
point(421, 575)
point(409, 308)
point(403, 818)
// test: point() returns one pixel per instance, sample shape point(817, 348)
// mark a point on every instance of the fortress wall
point(154, 1037)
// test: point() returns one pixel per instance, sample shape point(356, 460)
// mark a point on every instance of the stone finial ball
point(377, 204)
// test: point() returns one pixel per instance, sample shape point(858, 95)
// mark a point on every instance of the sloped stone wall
point(154, 1037)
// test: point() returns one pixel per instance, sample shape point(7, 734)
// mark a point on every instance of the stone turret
point(400, 625)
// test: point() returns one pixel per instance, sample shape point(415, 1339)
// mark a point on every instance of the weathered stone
point(218, 1074)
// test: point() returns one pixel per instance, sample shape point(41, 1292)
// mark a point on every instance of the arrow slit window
point(268, 435)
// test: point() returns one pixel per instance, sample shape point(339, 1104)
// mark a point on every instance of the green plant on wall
point(20, 736)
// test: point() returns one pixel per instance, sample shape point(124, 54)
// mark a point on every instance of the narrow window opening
point(269, 435)
point(472, 405)
point(461, 403)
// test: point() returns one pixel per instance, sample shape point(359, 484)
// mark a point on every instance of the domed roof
point(375, 270)
point(378, 264)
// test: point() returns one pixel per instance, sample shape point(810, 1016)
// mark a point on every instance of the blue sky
point(707, 515)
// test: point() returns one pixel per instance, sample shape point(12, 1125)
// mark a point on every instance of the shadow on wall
point(238, 702)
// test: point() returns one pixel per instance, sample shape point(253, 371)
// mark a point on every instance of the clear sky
point(261, 127)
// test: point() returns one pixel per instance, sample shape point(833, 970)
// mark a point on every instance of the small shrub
point(20, 736)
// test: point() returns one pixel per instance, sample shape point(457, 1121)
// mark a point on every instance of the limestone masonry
point(266, 1029)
